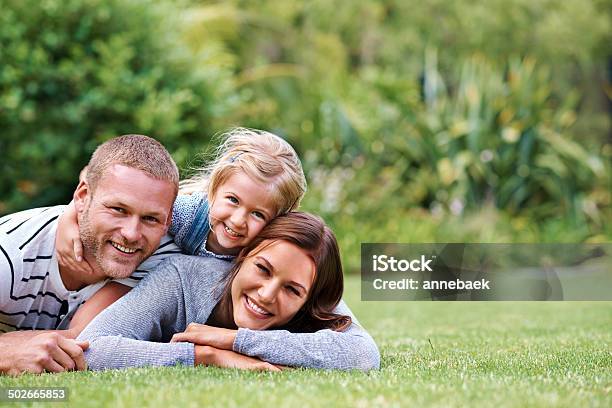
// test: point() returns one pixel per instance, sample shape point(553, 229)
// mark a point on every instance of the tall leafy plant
point(502, 135)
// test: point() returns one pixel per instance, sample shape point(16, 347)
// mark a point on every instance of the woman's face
point(271, 286)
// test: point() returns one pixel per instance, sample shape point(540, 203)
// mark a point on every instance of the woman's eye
point(293, 290)
point(263, 269)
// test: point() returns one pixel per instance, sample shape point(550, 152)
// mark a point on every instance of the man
point(124, 207)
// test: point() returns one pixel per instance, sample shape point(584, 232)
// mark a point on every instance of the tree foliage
point(77, 72)
point(396, 108)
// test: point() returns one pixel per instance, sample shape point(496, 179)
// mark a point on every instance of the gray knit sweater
point(135, 330)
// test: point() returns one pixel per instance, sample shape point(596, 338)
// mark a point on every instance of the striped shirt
point(32, 294)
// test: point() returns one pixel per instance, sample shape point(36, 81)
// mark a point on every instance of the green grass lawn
point(433, 354)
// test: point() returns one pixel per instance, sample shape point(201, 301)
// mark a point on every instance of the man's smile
point(123, 249)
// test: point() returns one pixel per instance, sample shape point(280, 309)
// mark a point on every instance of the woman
point(289, 277)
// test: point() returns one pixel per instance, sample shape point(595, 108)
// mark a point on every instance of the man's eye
point(150, 219)
point(118, 209)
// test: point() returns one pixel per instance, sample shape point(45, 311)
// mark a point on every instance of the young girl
point(255, 177)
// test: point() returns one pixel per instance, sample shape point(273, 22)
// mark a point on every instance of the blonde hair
point(262, 156)
point(137, 151)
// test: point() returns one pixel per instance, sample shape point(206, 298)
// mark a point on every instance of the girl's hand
point(69, 249)
point(211, 356)
point(204, 335)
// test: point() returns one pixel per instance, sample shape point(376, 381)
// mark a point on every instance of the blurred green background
point(437, 121)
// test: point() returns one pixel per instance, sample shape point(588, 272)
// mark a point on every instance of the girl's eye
point(259, 215)
point(232, 200)
point(293, 290)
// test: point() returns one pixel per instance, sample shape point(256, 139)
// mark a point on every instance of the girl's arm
point(353, 348)
point(189, 210)
point(70, 251)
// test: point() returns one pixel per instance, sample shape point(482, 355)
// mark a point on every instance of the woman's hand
point(70, 249)
point(211, 356)
point(204, 335)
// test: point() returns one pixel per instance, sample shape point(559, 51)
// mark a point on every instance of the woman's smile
point(255, 309)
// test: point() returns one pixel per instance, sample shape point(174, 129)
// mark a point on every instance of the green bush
point(438, 105)
point(411, 118)
point(76, 72)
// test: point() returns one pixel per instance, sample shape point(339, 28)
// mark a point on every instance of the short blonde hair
point(262, 156)
point(137, 151)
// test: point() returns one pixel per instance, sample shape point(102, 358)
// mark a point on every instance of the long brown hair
point(309, 233)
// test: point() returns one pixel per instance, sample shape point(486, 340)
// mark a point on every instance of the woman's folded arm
point(111, 352)
point(129, 333)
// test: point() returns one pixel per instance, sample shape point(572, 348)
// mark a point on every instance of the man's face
point(123, 220)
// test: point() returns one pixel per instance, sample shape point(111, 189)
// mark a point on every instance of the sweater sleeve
point(353, 348)
point(183, 215)
point(152, 311)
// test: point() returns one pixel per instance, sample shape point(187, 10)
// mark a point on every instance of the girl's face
point(239, 210)
point(271, 285)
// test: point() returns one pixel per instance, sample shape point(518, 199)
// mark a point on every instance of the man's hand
point(50, 352)
point(204, 335)
point(211, 356)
